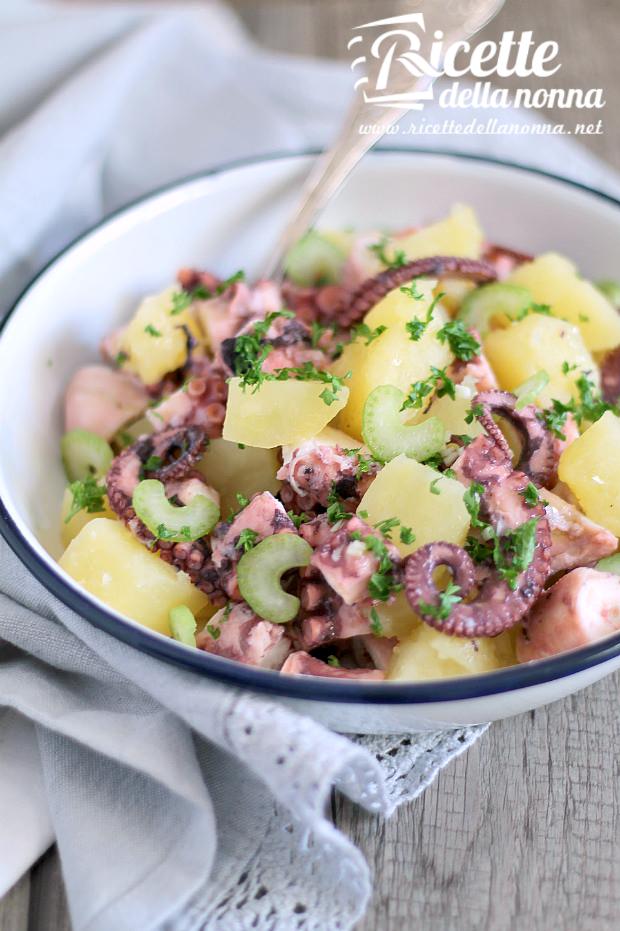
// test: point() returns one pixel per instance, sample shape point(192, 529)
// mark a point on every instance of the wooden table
point(523, 832)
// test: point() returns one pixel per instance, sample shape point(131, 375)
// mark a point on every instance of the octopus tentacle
point(178, 475)
point(374, 289)
point(538, 455)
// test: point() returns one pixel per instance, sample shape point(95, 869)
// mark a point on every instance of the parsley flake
point(376, 626)
point(247, 540)
point(447, 599)
point(88, 495)
point(151, 330)
point(462, 343)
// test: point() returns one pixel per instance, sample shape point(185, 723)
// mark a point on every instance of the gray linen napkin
point(176, 803)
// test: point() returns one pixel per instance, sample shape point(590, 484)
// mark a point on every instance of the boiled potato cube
point(397, 618)
point(108, 561)
point(232, 470)
point(590, 467)
point(421, 498)
point(70, 530)
point(452, 412)
point(553, 279)
point(540, 342)
point(279, 412)
point(155, 339)
point(459, 234)
point(393, 358)
point(429, 654)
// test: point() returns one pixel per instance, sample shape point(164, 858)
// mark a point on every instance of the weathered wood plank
point(521, 832)
point(48, 903)
point(14, 907)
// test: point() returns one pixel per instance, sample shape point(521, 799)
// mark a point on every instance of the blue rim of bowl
point(308, 688)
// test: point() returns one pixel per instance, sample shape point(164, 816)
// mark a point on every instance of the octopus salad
point(401, 462)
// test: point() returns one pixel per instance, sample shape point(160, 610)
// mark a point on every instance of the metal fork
point(459, 20)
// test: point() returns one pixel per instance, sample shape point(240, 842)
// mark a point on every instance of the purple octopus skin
point(302, 664)
point(538, 457)
point(325, 616)
point(610, 376)
point(128, 468)
point(315, 469)
point(439, 266)
point(497, 606)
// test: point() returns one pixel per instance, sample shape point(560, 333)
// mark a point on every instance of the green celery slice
point(314, 260)
point(167, 522)
point(386, 433)
point(260, 570)
point(183, 625)
point(490, 301)
point(85, 454)
point(610, 564)
point(528, 391)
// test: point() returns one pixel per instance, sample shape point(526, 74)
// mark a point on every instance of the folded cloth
point(176, 803)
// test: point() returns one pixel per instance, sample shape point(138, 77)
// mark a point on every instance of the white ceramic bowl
point(223, 221)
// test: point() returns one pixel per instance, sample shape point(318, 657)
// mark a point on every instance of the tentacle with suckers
point(374, 289)
point(503, 597)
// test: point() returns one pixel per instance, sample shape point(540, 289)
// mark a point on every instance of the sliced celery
point(314, 260)
point(183, 625)
point(167, 522)
point(386, 433)
point(260, 570)
point(84, 454)
point(493, 301)
point(610, 564)
point(528, 391)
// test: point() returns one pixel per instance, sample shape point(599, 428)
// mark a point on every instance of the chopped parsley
point(228, 282)
point(434, 490)
point(447, 599)
point(382, 583)
point(513, 552)
point(533, 308)
point(386, 526)
point(251, 350)
point(376, 626)
point(335, 511)
point(213, 631)
point(471, 500)
point(437, 381)
point(309, 372)
point(151, 330)
point(152, 463)
point(242, 500)
point(316, 332)
point(464, 438)
point(120, 358)
point(363, 331)
point(247, 540)
point(412, 291)
point(298, 519)
point(530, 494)
point(567, 367)
point(180, 302)
point(554, 417)
point(88, 495)
point(163, 533)
point(462, 343)
point(477, 410)
point(333, 661)
point(406, 535)
point(398, 259)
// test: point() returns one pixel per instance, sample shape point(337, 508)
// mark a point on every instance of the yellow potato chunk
point(432, 505)
point(397, 618)
point(108, 561)
point(553, 279)
point(452, 412)
point(429, 654)
point(393, 358)
point(279, 412)
point(459, 234)
point(70, 530)
point(540, 342)
point(155, 340)
point(232, 470)
point(591, 468)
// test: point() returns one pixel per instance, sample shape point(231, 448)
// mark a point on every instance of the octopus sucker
point(374, 289)
point(538, 457)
